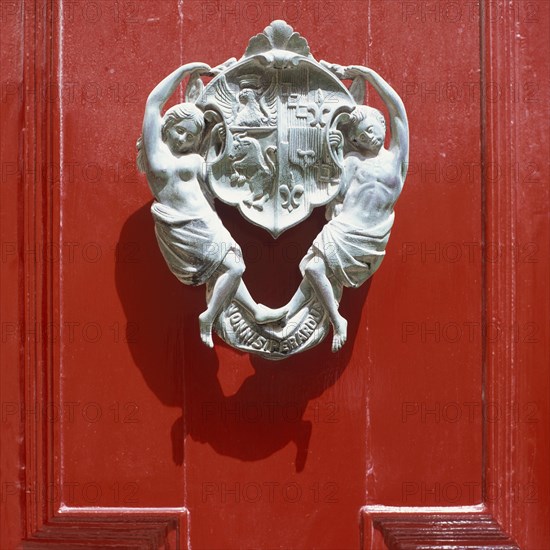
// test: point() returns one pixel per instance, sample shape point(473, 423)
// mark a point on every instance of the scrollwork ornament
point(275, 134)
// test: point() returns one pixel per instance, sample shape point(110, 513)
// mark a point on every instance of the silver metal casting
point(275, 134)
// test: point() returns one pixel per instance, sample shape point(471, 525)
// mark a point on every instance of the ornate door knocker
point(275, 134)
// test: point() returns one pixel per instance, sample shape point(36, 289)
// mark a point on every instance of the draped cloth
point(351, 253)
point(193, 247)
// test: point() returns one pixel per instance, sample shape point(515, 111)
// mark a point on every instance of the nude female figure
point(196, 246)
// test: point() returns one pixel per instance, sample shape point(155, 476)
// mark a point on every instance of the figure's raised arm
point(152, 120)
point(398, 117)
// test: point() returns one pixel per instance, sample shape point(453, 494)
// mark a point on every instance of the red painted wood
point(220, 450)
point(11, 247)
point(518, 293)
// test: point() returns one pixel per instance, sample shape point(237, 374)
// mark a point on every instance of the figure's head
point(182, 126)
point(367, 128)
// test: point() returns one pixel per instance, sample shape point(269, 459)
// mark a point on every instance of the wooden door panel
point(139, 436)
point(112, 350)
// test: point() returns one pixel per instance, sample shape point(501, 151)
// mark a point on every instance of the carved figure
point(196, 246)
point(351, 247)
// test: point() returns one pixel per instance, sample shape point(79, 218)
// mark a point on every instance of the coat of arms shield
point(269, 150)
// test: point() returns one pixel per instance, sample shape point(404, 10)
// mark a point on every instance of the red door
point(429, 429)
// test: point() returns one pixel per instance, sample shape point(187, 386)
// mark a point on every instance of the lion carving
point(251, 166)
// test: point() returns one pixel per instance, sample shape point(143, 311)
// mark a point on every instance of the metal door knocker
point(275, 134)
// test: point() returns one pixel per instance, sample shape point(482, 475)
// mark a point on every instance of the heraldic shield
point(268, 149)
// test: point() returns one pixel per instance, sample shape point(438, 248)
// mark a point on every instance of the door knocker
point(275, 134)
